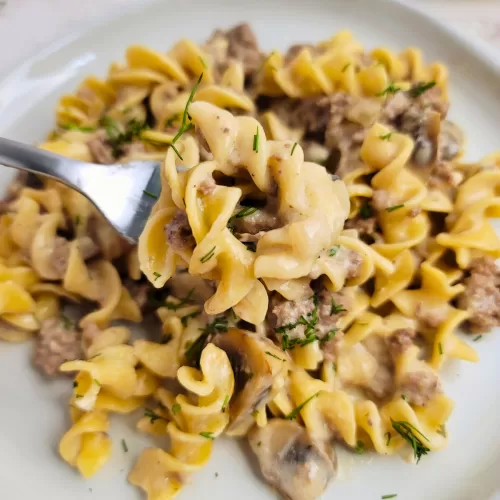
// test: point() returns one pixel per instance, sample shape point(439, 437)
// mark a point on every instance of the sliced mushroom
point(451, 140)
point(254, 371)
point(427, 140)
point(291, 461)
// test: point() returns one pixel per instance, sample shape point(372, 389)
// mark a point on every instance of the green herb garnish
point(334, 250)
point(344, 69)
point(202, 62)
point(183, 302)
point(185, 115)
point(420, 88)
point(336, 308)
point(293, 414)
point(440, 348)
point(156, 275)
point(74, 126)
point(151, 195)
point(243, 213)
point(208, 256)
point(413, 436)
point(385, 137)
point(274, 356)
point(395, 207)
point(329, 336)
point(207, 435)
point(293, 148)
point(193, 352)
point(225, 403)
point(67, 322)
point(124, 446)
point(393, 495)
point(256, 141)
point(365, 212)
point(390, 89)
point(118, 138)
point(388, 434)
point(176, 408)
point(477, 338)
point(152, 415)
point(442, 430)
point(77, 220)
point(360, 447)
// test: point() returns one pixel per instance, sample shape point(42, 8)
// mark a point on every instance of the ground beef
point(381, 200)
point(178, 232)
point(400, 341)
point(444, 173)
point(331, 307)
point(349, 260)
point(381, 386)
point(60, 254)
point(243, 46)
point(365, 227)
point(420, 387)
point(100, 148)
point(482, 295)
point(238, 43)
point(431, 317)
point(139, 292)
point(56, 343)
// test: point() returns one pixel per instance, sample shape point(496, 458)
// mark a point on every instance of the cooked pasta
point(303, 278)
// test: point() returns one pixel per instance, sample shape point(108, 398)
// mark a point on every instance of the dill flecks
point(193, 352)
point(153, 417)
point(394, 207)
point(185, 127)
point(293, 149)
point(208, 255)
point(334, 250)
point(365, 212)
point(411, 434)
point(176, 408)
point(336, 308)
point(293, 414)
point(207, 435)
point(244, 212)
point(151, 195)
point(274, 356)
point(182, 302)
point(385, 137)
point(124, 446)
point(390, 89)
point(256, 140)
point(420, 88)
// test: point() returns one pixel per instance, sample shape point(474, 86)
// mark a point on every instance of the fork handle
point(17, 155)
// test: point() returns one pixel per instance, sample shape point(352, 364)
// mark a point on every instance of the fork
point(123, 193)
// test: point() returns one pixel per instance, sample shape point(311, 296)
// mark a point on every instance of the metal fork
point(123, 193)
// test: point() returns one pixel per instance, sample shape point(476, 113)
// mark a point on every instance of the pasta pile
point(308, 269)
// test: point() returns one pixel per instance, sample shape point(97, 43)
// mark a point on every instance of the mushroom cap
point(254, 369)
point(292, 461)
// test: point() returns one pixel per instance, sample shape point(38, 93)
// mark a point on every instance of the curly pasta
point(317, 244)
point(193, 427)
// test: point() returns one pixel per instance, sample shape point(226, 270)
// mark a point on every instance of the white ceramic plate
point(33, 413)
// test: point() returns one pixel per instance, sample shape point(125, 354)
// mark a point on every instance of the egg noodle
point(304, 275)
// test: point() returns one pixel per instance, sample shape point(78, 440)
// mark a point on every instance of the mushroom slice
point(258, 367)
point(291, 461)
point(451, 140)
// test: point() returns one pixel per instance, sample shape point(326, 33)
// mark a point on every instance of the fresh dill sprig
point(293, 414)
point(411, 434)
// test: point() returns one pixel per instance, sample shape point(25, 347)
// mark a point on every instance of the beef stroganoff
point(308, 270)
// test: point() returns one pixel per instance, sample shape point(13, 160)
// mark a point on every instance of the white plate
point(33, 413)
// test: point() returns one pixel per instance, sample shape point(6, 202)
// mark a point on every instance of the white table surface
point(28, 25)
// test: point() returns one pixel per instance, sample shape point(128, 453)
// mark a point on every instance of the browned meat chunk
point(100, 149)
point(431, 317)
point(292, 461)
point(365, 227)
point(315, 316)
point(420, 387)
point(178, 232)
point(400, 341)
point(60, 255)
point(482, 295)
point(56, 343)
point(243, 46)
point(444, 173)
point(381, 386)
